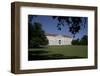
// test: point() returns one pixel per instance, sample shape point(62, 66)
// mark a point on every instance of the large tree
point(75, 24)
point(36, 35)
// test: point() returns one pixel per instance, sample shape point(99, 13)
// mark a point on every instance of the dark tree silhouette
point(75, 24)
point(76, 42)
point(82, 41)
point(36, 36)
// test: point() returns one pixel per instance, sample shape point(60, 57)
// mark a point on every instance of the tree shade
point(36, 36)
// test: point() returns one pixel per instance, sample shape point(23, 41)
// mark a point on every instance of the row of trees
point(82, 41)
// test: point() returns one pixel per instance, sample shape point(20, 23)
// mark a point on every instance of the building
point(55, 39)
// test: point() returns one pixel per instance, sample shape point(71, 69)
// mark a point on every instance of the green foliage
point(82, 41)
point(36, 36)
point(75, 24)
point(75, 42)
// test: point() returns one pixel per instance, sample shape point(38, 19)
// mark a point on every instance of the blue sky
point(49, 25)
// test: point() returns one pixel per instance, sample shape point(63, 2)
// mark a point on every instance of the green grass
point(59, 52)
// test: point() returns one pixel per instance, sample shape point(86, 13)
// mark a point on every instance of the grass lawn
point(58, 52)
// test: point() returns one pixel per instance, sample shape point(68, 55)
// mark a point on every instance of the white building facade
point(59, 39)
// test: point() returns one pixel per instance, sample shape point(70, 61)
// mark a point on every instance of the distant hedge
point(82, 41)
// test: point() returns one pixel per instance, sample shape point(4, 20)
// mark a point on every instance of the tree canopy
point(75, 24)
point(36, 36)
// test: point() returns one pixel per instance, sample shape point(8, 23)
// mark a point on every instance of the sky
point(49, 25)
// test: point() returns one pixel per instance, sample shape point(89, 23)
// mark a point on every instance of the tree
point(75, 42)
point(84, 40)
point(75, 24)
point(36, 36)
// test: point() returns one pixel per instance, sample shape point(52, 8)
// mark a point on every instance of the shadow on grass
point(37, 52)
point(43, 55)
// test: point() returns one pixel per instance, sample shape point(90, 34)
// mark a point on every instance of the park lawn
point(59, 52)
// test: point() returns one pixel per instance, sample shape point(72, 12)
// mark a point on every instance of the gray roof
point(49, 34)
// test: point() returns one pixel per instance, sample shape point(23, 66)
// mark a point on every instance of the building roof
point(49, 34)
